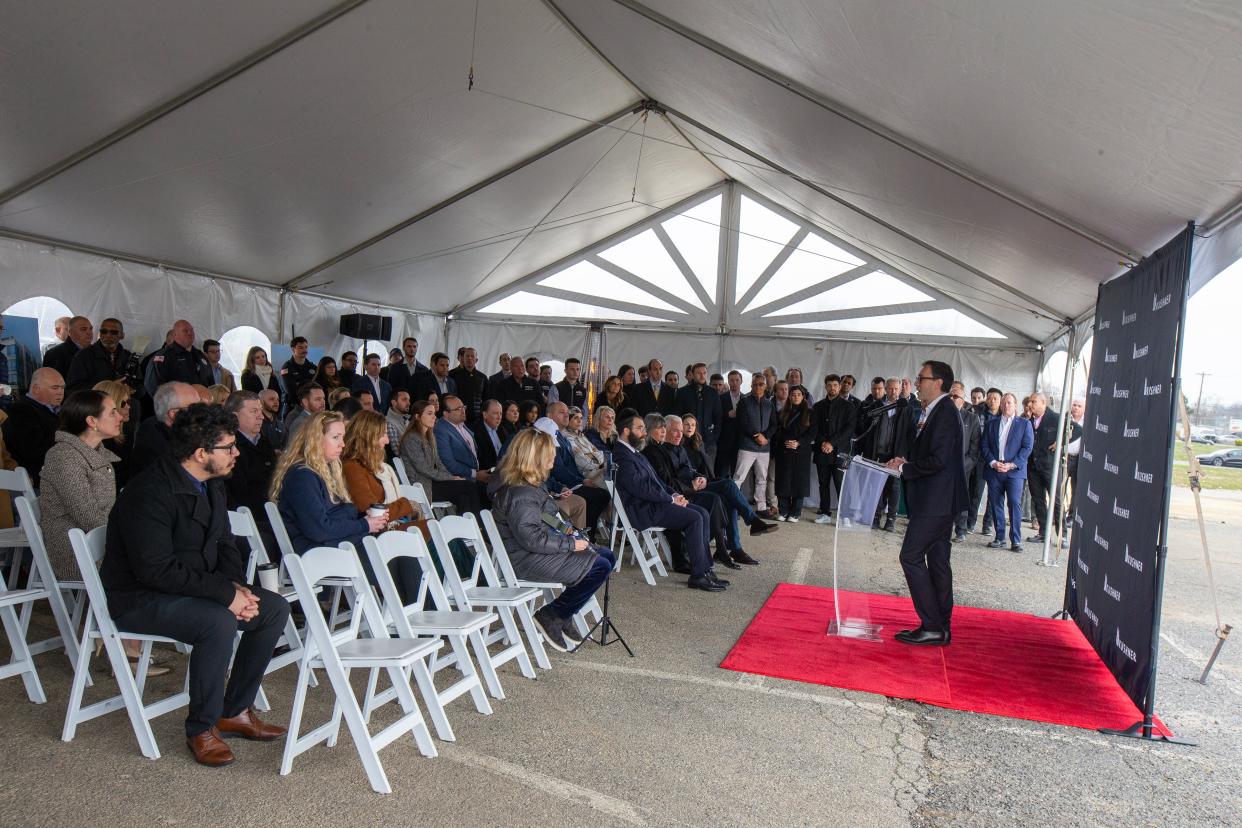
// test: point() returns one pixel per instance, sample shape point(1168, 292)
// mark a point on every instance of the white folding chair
point(399, 465)
point(21, 662)
point(42, 576)
point(459, 628)
point(88, 549)
point(646, 546)
point(338, 652)
point(242, 525)
point(418, 494)
point(338, 586)
point(469, 594)
point(14, 538)
point(549, 589)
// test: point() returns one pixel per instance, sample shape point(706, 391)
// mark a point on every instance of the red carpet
point(1003, 663)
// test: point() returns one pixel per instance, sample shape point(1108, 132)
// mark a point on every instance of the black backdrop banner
point(1124, 467)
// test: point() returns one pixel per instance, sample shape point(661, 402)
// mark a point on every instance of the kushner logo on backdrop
point(1120, 512)
point(1100, 426)
point(1140, 352)
point(1105, 324)
point(1141, 476)
point(1133, 561)
point(1109, 357)
point(1152, 390)
point(1111, 468)
point(1121, 645)
point(1095, 391)
point(1086, 570)
point(1120, 393)
point(1086, 610)
point(1127, 318)
point(1088, 456)
point(1092, 496)
point(1078, 521)
point(1103, 544)
point(1126, 431)
point(1111, 592)
point(1158, 303)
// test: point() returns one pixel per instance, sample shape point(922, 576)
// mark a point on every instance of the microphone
point(875, 412)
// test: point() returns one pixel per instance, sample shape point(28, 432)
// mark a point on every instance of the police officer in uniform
point(180, 361)
point(297, 371)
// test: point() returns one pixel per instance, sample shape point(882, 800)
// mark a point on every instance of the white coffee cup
point(269, 576)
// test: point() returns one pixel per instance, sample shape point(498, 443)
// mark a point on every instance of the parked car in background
point(1223, 457)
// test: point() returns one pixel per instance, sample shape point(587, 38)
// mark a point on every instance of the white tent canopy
point(278, 164)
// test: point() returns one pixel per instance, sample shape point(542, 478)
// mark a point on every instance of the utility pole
point(1199, 402)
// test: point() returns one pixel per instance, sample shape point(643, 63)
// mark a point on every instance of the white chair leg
point(81, 671)
point(405, 696)
point(486, 667)
point(132, 697)
point(534, 636)
point(295, 720)
point(514, 638)
point(427, 689)
point(22, 656)
point(465, 665)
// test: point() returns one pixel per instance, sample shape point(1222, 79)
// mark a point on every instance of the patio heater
point(593, 370)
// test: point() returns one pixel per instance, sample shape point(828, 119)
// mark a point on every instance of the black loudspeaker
point(366, 326)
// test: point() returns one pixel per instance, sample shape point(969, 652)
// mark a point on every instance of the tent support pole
point(1058, 452)
point(280, 316)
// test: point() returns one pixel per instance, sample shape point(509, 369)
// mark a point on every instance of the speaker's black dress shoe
point(724, 559)
point(997, 544)
point(704, 583)
point(741, 557)
point(712, 576)
point(759, 527)
point(934, 638)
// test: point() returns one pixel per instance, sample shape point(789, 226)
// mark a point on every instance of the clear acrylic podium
point(860, 495)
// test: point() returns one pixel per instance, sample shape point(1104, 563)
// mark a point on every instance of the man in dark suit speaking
point(935, 493)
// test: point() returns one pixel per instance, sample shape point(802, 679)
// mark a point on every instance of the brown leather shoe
point(249, 726)
point(209, 749)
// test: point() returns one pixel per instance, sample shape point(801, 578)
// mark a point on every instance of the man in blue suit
point(375, 385)
point(935, 485)
point(1007, 443)
point(455, 443)
point(649, 502)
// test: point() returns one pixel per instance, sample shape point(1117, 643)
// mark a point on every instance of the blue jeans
point(1006, 489)
point(575, 596)
point(735, 505)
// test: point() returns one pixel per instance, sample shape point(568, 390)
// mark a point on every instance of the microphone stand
point(604, 625)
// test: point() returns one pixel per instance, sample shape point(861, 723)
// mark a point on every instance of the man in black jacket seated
point(30, 429)
point(173, 568)
point(256, 460)
point(650, 502)
point(151, 441)
point(657, 453)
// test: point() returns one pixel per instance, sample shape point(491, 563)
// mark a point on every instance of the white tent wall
point(1009, 369)
point(147, 299)
point(318, 319)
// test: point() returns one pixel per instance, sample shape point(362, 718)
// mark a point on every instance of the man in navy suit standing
point(1007, 443)
point(649, 502)
point(935, 492)
point(375, 385)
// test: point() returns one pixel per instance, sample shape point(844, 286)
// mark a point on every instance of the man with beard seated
point(649, 502)
point(657, 453)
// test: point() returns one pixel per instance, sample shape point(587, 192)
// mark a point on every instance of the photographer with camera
point(103, 361)
point(541, 544)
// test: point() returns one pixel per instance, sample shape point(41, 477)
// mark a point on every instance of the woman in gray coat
point(423, 465)
point(541, 544)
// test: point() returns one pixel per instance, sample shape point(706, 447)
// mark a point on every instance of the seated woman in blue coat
point(310, 492)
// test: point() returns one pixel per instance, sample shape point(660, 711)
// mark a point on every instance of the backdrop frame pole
point(1058, 453)
point(1146, 729)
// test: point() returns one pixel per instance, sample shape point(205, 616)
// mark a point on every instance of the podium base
point(855, 628)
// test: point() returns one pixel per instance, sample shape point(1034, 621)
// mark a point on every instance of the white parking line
point(797, 572)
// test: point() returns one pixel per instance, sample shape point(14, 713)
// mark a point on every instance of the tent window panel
point(236, 343)
point(644, 256)
point(594, 281)
point(815, 260)
point(696, 234)
point(947, 322)
point(876, 289)
point(763, 234)
point(46, 310)
point(552, 309)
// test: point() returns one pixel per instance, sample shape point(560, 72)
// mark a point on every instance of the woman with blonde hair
point(603, 434)
point(540, 551)
point(218, 394)
point(122, 444)
point(309, 488)
point(257, 375)
point(336, 395)
point(614, 394)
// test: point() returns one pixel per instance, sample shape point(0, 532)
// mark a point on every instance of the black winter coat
point(793, 466)
point(165, 537)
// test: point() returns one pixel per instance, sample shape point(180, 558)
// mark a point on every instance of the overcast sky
point(1214, 339)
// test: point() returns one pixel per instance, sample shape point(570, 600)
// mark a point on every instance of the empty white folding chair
point(416, 493)
point(549, 589)
point(242, 525)
point(88, 549)
point(21, 662)
point(338, 586)
point(42, 576)
point(646, 545)
point(471, 594)
point(399, 465)
point(338, 652)
point(13, 538)
point(460, 628)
